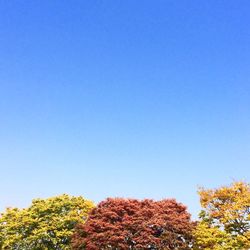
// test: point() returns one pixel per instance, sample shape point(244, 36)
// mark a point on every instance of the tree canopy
point(66, 222)
point(132, 224)
point(225, 220)
point(46, 224)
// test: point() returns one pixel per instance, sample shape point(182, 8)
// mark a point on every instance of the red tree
point(133, 224)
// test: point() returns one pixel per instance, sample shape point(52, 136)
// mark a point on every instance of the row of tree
point(66, 222)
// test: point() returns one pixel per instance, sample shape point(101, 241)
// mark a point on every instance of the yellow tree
point(46, 224)
point(225, 218)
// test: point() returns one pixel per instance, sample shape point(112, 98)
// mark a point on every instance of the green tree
point(46, 224)
point(225, 220)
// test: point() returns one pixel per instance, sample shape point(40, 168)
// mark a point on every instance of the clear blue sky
point(123, 98)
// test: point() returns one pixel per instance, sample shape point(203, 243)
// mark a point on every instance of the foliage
point(225, 220)
point(132, 224)
point(46, 224)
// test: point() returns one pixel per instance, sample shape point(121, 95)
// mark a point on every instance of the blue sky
point(123, 98)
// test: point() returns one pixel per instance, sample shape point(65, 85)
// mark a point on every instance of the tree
point(120, 224)
point(225, 220)
point(46, 224)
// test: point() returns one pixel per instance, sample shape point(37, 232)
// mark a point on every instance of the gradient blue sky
point(123, 98)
